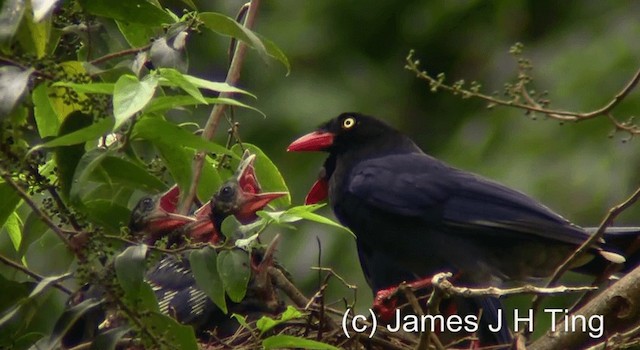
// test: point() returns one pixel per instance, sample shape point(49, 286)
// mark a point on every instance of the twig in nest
point(441, 282)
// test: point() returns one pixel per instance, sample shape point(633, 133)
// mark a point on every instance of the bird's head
point(156, 215)
point(345, 132)
point(242, 195)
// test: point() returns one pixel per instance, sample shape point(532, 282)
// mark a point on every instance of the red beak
point(315, 141)
point(254, 202)
point(169, 200)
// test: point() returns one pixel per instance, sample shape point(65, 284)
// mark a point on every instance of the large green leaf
point(205, 270)
point(87, 164)
point(89, 88)
point(233, 266)
point(13, 227)
point(301, 212)
point(165, 103)
point(179, 336)
point(89, 133)
point(112, 216)
point(282, 341)
point(9, 202)
point(108, 340)
point(67, 320)
point(11, 13)
point(42, 287)
point(130, 267)
point(158, 130)
point(177, 79)
point(130, 95)
point(76, 129)
point(274, 51)
point(268, 174)
point(133, 11)
point(224, 25)
point(130, 174)
point(215, 86)
point(45, 116)
point(178, 162)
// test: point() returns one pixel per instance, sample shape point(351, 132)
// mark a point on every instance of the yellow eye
point(348, 123)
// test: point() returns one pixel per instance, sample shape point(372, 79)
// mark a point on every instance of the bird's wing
point(417, 185)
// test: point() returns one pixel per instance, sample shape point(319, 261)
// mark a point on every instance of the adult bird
point(383, 275)
point(424, 216)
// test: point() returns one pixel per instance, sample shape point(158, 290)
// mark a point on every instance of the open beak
point(169, 200)
point(164, 220)
point(315, 141)
point(253, 202)
point(318, 192)
point(246, 174)
point(202, 230)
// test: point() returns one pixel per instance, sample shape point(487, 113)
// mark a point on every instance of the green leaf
point(90, 88)
point(281, 341)
point(224, 25)
point(233, 266)
point(136, 34)
point(45, 116)
point(112, 216)
point(274, 51)
point(268, 174)
point(108, 340)
point(13, 226)
point(178, 80)
point(9, 202)
point(130, 174)
point(266, 323)
point(215, 86)
point(90, 133)
point(76, 129)
point(179, 336)
point(133, 11)
point(130, 267)
point(305, 212)
point(42, 287)
point(68, 319)
point(157, 130)
point(205, 271)
point(165, 103)
point(14, 83)
point(130, 95)
point(11, 13)
point(178, 162)
point(83, 170)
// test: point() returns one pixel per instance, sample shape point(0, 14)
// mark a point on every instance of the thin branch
point(283, 283)
point(427, 336)
point(530, 104)
point(213, 121)
point(31, 274)
point(42, 215)
point(122, 53)
point(440, 281)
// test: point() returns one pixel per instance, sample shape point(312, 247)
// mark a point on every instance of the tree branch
point(233, 75)
point(44, 217)
point(529, 103)
point(619, 305)
point(36, 276)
